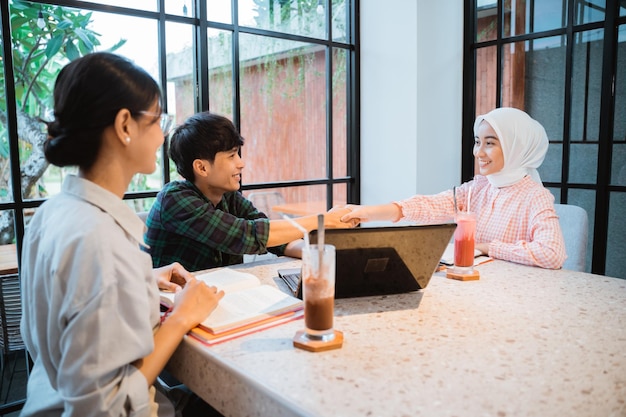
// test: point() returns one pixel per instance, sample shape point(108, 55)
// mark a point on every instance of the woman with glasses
point(91, 319)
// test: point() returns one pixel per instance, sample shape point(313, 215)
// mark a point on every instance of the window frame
point(599, 218)
point(201, 77)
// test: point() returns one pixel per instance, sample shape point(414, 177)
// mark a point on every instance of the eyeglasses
point(166, 121)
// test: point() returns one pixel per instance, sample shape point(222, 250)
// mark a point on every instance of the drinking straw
point(469, 198)
point(300, 228)
point(320, 239)
point(454, 199)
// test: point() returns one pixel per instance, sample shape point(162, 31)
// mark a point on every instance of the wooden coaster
point(463, 277)
point(301, 341)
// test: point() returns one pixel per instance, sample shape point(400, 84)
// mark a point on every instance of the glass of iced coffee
point(318, 290)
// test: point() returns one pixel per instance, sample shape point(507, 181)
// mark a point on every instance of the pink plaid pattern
point(518, 222)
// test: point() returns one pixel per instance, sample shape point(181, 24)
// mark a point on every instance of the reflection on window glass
point(140, 205)
point(44, 39)
point(5, 162)
point(340, 19)
point(583, 164)
point(220, 11)
point(585, 108)
point(513, 74)
point(283, 109)
point(487, 21)
point(547, 15)
point(271, 201)
point(618, 167)
point(149, 5)
point(299, 17)
point(521, 17)
point(544, 83)
point(485, 80)
point(340, 114)
point(180, 7)
point(65, 34)
point(618, 175)
point(220, 72)
point(550, 169)
point(180, 65)
point(616, 245)
point(589, 11)
point(136, 37)
point(586, 85)
point(340, 191)
point(7, 227)
point(290, 201)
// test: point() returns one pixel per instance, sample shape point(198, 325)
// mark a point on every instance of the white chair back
point(143, 215)
point(574, 224)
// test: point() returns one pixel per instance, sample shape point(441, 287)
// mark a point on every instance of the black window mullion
point(329, 125)
point(469, 90)
point(499, 54)
point(353, 89)
point(567, 102)
point(200, 43)
point(236, 79)
point(165, 163)
point(607, 108)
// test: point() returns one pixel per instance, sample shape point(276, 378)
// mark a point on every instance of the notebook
point(380, 260)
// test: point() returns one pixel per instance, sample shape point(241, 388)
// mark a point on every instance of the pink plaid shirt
point(518, 222)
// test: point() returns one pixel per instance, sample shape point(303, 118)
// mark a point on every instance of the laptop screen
point(386, 260)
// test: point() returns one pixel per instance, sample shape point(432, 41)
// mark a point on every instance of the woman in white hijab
point(516, 220)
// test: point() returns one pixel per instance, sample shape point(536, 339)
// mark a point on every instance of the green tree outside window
point(44, 38)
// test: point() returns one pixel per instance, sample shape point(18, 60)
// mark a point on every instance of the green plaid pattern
point(184, 226)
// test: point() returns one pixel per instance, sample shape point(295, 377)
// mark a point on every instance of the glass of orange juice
point(464, 242)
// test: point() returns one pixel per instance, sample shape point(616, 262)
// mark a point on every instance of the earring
point(127, 139)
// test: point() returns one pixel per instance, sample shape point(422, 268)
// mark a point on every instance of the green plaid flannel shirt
point(184, 226)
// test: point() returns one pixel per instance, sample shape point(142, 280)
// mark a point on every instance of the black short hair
point(202, 136)
point(88, 94)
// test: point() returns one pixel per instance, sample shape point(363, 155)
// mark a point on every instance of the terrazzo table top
point(520, 341)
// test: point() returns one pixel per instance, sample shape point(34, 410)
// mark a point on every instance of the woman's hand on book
point(195, 302)
point(172, 277)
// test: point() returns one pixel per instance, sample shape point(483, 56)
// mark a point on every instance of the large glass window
point(560, 61)
point(301, 17)
point(220, 72)
point(280, 69)
point(289, 97)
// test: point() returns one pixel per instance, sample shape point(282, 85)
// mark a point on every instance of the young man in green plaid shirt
point(203, 221)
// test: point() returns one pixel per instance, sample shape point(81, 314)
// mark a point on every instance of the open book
point(447, 259)
point(246, 302)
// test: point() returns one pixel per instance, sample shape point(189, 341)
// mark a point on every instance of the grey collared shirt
point(90, 304)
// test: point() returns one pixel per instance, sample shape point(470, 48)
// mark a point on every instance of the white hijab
point(524, 144)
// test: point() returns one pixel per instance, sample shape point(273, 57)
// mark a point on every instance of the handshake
point(350, 215)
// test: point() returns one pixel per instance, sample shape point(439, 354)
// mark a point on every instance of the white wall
point(411, 80)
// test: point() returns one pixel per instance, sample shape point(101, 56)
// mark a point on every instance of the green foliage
point(35, 49)
point(40, 53)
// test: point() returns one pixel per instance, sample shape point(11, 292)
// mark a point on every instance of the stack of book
point(247, 306)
